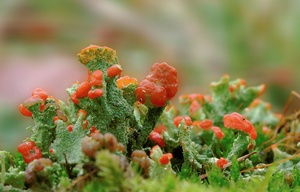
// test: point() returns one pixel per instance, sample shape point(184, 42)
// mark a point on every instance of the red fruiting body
point(197, 97)
point(154, 136)
point(29, 151)
point(221, 162)
point(74, 98)
point(161, 84)
point(70, 128)
point(177, 120)
point(238, 122)
point(160, 128)
point(96, 78)
point(114, 70)
point(25, 148)
point(165, 158)
point(206, 124)
point(166, 76)
point(253, 134)
point(55, 118)
point(194, 106)
point(51, 150)
point(40, 93)
point(196, 123)
point(158, 97)
point(149, 91)
point(218, 132)
point(93, 130)
point(242, 82)
point(81, 111)
point(42, 107)
point(92, 94)
point(83, 89)
point(24, 111)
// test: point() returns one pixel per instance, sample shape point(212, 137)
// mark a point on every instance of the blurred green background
point(204, 39)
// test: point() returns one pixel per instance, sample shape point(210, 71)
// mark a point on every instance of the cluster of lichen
point(117, 134)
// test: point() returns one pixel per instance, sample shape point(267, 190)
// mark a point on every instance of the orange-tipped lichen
point(239, 122)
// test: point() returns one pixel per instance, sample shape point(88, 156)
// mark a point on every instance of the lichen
point(116, 133)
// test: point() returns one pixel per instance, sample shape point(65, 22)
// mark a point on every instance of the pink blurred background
point(39, 40)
